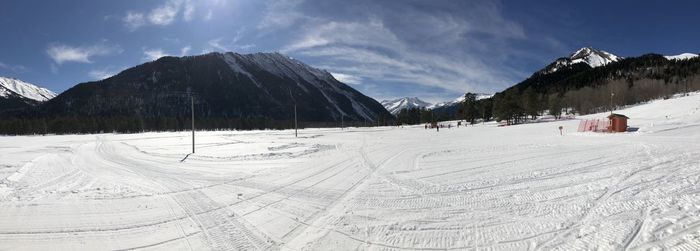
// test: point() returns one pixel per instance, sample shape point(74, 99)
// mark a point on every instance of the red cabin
point(618, 123)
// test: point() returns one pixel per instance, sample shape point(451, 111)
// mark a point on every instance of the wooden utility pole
point(192, 109)
point(611, 101)
point(295, 113)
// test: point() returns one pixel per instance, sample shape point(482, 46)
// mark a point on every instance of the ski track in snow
point(482, 187)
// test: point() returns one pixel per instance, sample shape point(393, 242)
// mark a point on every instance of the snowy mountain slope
point(289, 68)
point(396, 105)
point(24, 89)
point(590, 56)
point(683, 56)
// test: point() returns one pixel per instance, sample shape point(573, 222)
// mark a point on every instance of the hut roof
point(618, 115)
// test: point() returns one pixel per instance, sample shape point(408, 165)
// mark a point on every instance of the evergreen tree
point(555, 106)
point(530, 102)
point(470, 110)
point(486, 108)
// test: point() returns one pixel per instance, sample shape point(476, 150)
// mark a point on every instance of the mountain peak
point(588, 55)
point(10, 86)
point(593, 57)
point(394, 106)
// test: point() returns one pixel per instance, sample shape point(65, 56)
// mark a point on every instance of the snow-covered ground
point(480, 187)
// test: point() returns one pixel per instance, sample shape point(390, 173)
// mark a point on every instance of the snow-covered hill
point(683, 56)
point(590, 56)
point(396, 105)
point(10, 86)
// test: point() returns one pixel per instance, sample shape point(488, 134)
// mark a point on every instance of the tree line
point(82, 125)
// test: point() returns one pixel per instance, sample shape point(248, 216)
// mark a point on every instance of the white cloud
point(355, 33)
point(217, 45)
point(154, 54)
point(61, 53)
point(133, 20)
point(220, 44)
point(209, 15)
point(99, 74)
point(161, 15)
point(281, 14)
point(434, 49)
point(347, 78)
point(185, 50)
point(188, 13)
point(166, 13)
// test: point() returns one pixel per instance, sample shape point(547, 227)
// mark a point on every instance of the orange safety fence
point(593, 125)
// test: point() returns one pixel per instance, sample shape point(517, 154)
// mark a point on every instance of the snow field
point(520, 187)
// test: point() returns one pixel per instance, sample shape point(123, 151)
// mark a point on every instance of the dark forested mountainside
point(230, 91)
point(588, 90)
point(583, 89)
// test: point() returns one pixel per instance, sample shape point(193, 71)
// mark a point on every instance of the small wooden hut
point(618, 123)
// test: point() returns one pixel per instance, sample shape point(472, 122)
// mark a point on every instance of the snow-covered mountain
point(12, 87)
point(229, 86)
point(451, 108)
point(459, 100)
point(683, 56)
point(396, 105)
point(590, 56)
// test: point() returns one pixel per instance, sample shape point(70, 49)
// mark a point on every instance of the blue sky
point(436, 49)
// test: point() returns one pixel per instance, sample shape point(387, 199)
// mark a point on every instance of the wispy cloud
point(13, 68)
point(185, 50)
point(61, 53)
point(209, 15)
point(412, 46)
point(188, 12)
point(162, 15)
point(281, 14)
point(154, 54)
point(347, 78)
point(220, 44)
point(133, 20)
point(99, 74)
point(217, 45)
point(166, 13)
